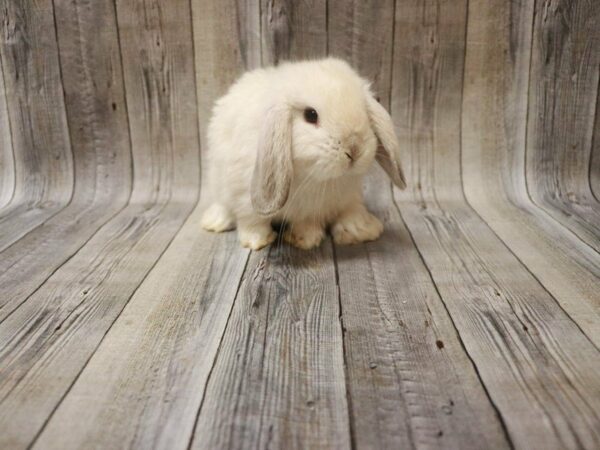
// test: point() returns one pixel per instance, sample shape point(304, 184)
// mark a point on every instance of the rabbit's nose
point(352, 152)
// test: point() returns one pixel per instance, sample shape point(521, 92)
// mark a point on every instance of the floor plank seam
point(462, 184)
point(526, 134)
point(214, 362)
point(64, 99)
point(62, 398)
point(593, 155)
point(532, 275)
point(459, 337)
point(108, 220)
point(198, 137)
point(125, 104)
point(12, 142)
point(263, 353)
point(546, 210)
point(351, 425)
point(46, 219)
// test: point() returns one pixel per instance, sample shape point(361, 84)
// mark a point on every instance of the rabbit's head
point(323, 123)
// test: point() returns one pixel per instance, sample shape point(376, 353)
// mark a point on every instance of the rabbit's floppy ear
point(388, 153)
point(272, 175)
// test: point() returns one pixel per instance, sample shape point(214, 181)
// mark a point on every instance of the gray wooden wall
point(102, 100)
point(103, 112)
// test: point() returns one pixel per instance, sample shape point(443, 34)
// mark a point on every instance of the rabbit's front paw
point(256, 236)
point(217, 218)
point(304, 235)
point(356, 226)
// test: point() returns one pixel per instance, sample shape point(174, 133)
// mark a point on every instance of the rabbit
point(292, 144)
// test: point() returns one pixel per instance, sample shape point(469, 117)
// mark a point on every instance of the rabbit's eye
point(310, 115)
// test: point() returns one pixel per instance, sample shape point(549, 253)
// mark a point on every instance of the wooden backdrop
point(103, 113)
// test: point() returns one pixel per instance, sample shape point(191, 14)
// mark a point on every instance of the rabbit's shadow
point(392, 243)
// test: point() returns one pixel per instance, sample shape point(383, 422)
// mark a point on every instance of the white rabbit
point(291, 144)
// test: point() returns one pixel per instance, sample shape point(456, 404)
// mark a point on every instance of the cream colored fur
point(318, 185)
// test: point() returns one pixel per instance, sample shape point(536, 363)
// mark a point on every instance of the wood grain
point(565, 70)
point(88, 41)
point(7, 164)
point(595, 158)
point(208, 316)
point(474, 321)
point(49, 339)
point(503, 314)
point(426, 94)
point(495, 111)
point(361, 32)
point(279, 377)
point(39, 131)
point(96, 110)
point(410, 382)
point(146, 381)
point(224, 49)
point(281, 353)
point(293, 30)
point(158, 57)
point(500, 310)
point(493, 157)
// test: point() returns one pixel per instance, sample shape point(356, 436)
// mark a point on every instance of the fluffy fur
point(267, 163)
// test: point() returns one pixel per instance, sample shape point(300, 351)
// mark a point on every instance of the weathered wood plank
point(493, 157)
point(532, 358)
point(158, 61)
point(495, 107)
point(426, 93)
point(562, 101)
point(204, 280)
point(535, 362)
point(144, 385)
point(49, 339)
point(95, 101)
point(595, 159)
point(410, 381)
point(279, 378)
point(7, 164)
point(226, 42)
point(40, 137)
point(361, 32)
point(293, 30)
point(281, 354)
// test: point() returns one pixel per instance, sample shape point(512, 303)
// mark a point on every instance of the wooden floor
point(474, 322)
point(152, 333)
